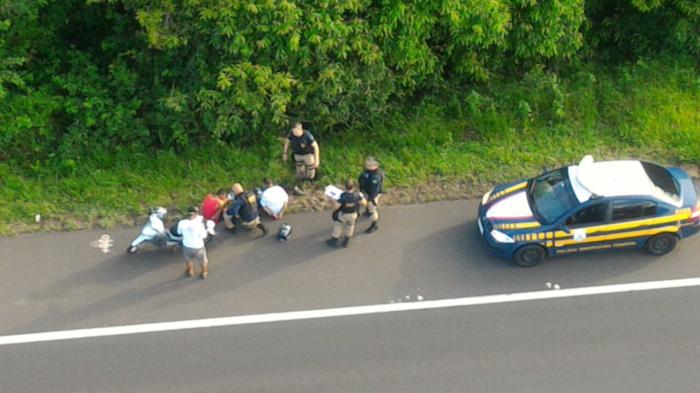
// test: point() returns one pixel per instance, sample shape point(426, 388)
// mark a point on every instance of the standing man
point(371, 182)
point(307, 155)
point(193, 234)
point(243, 210)
point(344, 217)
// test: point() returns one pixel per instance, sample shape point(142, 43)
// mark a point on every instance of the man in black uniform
point(243, 210)
point(345, 215)
point(371, 181)
point(307, 155)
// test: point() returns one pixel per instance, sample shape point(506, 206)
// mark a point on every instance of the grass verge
point(472, 138)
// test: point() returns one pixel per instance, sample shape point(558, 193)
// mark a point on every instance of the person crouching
point(243, 210)
point(345, 215)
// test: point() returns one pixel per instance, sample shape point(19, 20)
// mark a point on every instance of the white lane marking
point(346, 311)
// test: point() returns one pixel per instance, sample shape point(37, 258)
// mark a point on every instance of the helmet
point(284, 232)
point(160, 212)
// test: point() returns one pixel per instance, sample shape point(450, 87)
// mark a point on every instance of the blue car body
point(520, 213)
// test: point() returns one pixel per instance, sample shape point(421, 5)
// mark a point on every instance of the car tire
point(529, 255)
point(661, 244)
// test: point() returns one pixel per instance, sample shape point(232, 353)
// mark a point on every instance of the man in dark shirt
point(345, 215)
point(243, 210)
point(307, 155)
point(371, 182)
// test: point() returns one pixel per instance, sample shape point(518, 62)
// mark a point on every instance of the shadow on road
point(265, 256)
point(454, 262)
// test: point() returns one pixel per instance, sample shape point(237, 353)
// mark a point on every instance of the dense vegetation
point(107, 106)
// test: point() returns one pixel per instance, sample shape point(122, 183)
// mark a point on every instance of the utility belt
point(349, 209)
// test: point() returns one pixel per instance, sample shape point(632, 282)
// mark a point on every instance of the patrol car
point(590, 206)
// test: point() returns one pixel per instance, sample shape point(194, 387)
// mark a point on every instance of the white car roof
point(614, 178)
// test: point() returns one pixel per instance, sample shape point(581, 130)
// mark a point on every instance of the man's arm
point(234, 208)
point(285, 149)
point(317, 154)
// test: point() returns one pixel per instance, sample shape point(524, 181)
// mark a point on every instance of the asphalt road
point(638, 342)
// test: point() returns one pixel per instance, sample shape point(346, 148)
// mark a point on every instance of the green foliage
point(626, 29)
point(498, 131)
point(85, 83)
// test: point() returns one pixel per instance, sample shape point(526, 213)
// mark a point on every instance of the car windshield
point(551, 195)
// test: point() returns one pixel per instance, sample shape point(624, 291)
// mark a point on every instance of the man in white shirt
point(193, 234)
point(274, 199)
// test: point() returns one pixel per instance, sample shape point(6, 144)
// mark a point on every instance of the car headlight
point(501, 237)
point(486, 197)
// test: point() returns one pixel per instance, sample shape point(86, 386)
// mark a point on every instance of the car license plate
point(481, 226)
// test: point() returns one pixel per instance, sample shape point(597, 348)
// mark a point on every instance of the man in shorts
point(193, 234)
point(307, 155)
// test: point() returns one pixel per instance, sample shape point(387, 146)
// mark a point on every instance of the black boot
point(261, 226)
point(346, 241)
point(333, 242)
point(372, 227)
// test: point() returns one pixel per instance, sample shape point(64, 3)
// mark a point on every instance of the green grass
point(494, 133)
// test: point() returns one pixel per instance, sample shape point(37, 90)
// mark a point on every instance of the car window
point(630, 210)
point(591, 215)
point(551, 195)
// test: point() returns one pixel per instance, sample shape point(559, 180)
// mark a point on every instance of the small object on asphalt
point(408, 297)
point(420, 298)
point(285, 232)
point(548, 284)
point(556, 286)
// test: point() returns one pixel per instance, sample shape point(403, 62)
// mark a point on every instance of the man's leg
point(373, 209)
point(189, 264)
point(349, 224)
point(310, 169)
point(228, 222)
point(204, 261)
point(337, 232)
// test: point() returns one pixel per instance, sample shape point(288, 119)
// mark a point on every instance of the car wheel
point(661, 244)
point(530, 255)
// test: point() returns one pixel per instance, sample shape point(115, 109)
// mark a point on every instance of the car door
point(631, 220)
point(580, 229)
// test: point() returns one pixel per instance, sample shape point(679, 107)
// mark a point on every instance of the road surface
point(618, 342)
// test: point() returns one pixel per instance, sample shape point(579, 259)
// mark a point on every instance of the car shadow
point(454, 262)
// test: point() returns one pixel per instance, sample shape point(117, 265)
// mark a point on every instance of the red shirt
point(210, 205)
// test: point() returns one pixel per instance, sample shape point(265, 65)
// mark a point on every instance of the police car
point(590, 206)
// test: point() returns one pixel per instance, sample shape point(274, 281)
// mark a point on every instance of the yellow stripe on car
point(508, 190)
point(617, 236)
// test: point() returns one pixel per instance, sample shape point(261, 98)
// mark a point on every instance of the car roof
point(614, 179)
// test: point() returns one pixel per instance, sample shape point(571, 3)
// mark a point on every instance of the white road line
point(345, 311)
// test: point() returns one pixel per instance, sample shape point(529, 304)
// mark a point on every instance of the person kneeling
point(243, 210)
point(273, 199)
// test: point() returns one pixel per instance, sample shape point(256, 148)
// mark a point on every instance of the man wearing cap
point(244, 210)
point(371, 182)
point(307, 155)
point(193, 234)
point(345, 215)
